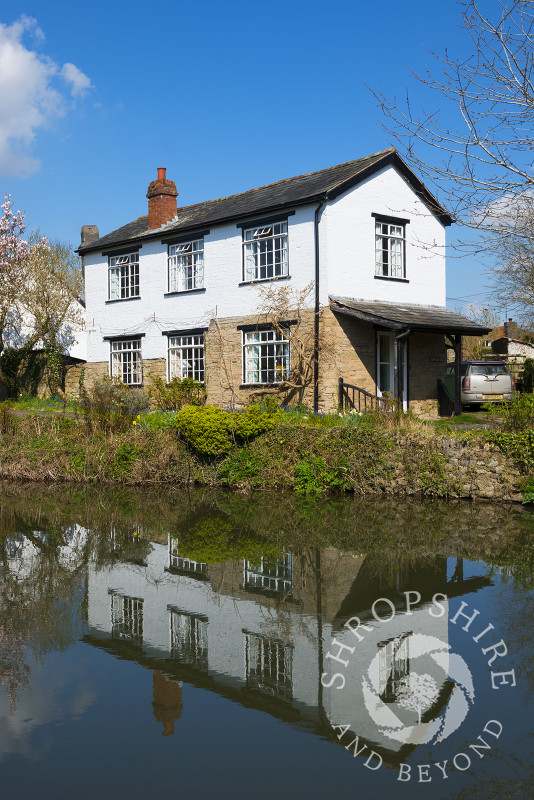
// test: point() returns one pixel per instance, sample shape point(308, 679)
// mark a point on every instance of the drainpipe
point(318, 212)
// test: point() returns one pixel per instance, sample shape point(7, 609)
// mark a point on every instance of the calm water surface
point(210, 645)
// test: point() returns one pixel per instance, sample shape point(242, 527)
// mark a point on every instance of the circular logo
point(419, 691)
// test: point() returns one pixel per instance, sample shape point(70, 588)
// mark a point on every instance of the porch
point(403, 358)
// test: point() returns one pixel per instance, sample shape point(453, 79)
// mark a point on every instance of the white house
point(181, 291)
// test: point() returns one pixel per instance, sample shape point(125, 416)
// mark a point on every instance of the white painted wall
point(347, 244)
point(351, 244)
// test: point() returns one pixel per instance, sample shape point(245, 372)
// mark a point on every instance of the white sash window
point(186, 357)
point(126, 361)
point(265, 356)
point(266, 252)
point(389, 250)
point(123, 276)
point(186, 266)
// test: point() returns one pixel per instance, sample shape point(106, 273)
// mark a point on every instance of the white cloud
point(79, 82)
point(32, 94)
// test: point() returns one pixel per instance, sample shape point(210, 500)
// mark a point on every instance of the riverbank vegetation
point(108, 437)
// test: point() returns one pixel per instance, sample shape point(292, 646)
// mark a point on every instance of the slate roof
point(401, 317)
point(327, 183)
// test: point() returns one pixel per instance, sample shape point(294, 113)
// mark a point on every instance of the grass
point(465, 418)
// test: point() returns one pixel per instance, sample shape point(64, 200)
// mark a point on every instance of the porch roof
point(395, 317)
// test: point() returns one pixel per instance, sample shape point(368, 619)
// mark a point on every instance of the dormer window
point(265, 252)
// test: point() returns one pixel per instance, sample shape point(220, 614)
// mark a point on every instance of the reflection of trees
point(41, 593)
point(14, 672)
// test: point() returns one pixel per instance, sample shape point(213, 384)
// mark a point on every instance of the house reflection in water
point(259, 632)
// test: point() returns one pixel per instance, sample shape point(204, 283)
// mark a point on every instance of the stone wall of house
point(224, 360)
point(427, 355)
point(348, 352)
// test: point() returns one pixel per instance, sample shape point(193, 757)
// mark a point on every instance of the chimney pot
point(162, 205)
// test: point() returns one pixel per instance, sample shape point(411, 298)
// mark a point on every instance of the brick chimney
point(162, 205)
point(89, 233)
point(510, 329)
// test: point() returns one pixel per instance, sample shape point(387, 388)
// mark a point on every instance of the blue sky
point(226, 96)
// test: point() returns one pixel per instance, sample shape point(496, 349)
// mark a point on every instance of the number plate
point(492, 396)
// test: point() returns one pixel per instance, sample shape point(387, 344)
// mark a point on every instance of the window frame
point(194, 346)
point(259, 330)
point(132, 265)
point(197, 283)
point(123, 340)
point(259, 226)
point(391, 222)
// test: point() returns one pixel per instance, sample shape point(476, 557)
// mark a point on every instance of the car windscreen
point(488, 369)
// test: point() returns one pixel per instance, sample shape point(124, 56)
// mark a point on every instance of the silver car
point(482, 382)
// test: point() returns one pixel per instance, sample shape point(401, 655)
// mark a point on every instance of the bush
point(212, 431)
point(205, 428)
point(518, 415)
point(177, 393)
point(111, 405)
point(314, 476)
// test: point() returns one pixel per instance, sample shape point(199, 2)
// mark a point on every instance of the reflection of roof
point(282, 194)
point(401, 317)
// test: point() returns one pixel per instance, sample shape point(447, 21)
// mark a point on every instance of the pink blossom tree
point(40, 283)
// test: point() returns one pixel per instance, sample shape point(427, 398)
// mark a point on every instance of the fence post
point(340, 394)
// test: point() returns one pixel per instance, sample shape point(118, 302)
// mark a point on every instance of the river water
point(204, 644)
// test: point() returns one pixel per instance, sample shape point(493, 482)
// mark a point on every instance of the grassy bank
point(248, 449)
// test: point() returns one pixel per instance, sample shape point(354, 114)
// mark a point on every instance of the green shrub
point(251, 422)
point(314, 477)
point(238, 468)
point(212, 431)
point(177, 393)
point(205, 428)
point(518, 415)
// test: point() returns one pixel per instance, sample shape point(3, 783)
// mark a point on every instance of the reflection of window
point(186, 566)
point(186, 357)
point(273, 575)
point(127, 618)
point(189, 639)
point(268, 666)
point(265, 252)
point(265, 356)
point(393, 666)
point(186, 266)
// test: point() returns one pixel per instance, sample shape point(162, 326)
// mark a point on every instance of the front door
point(385, 366)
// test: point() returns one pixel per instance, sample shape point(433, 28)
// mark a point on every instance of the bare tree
point(278, 304)
point(483, 172)
point(473, 347)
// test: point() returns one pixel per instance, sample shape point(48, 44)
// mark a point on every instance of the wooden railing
point(445, 401)
point(353, 398)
